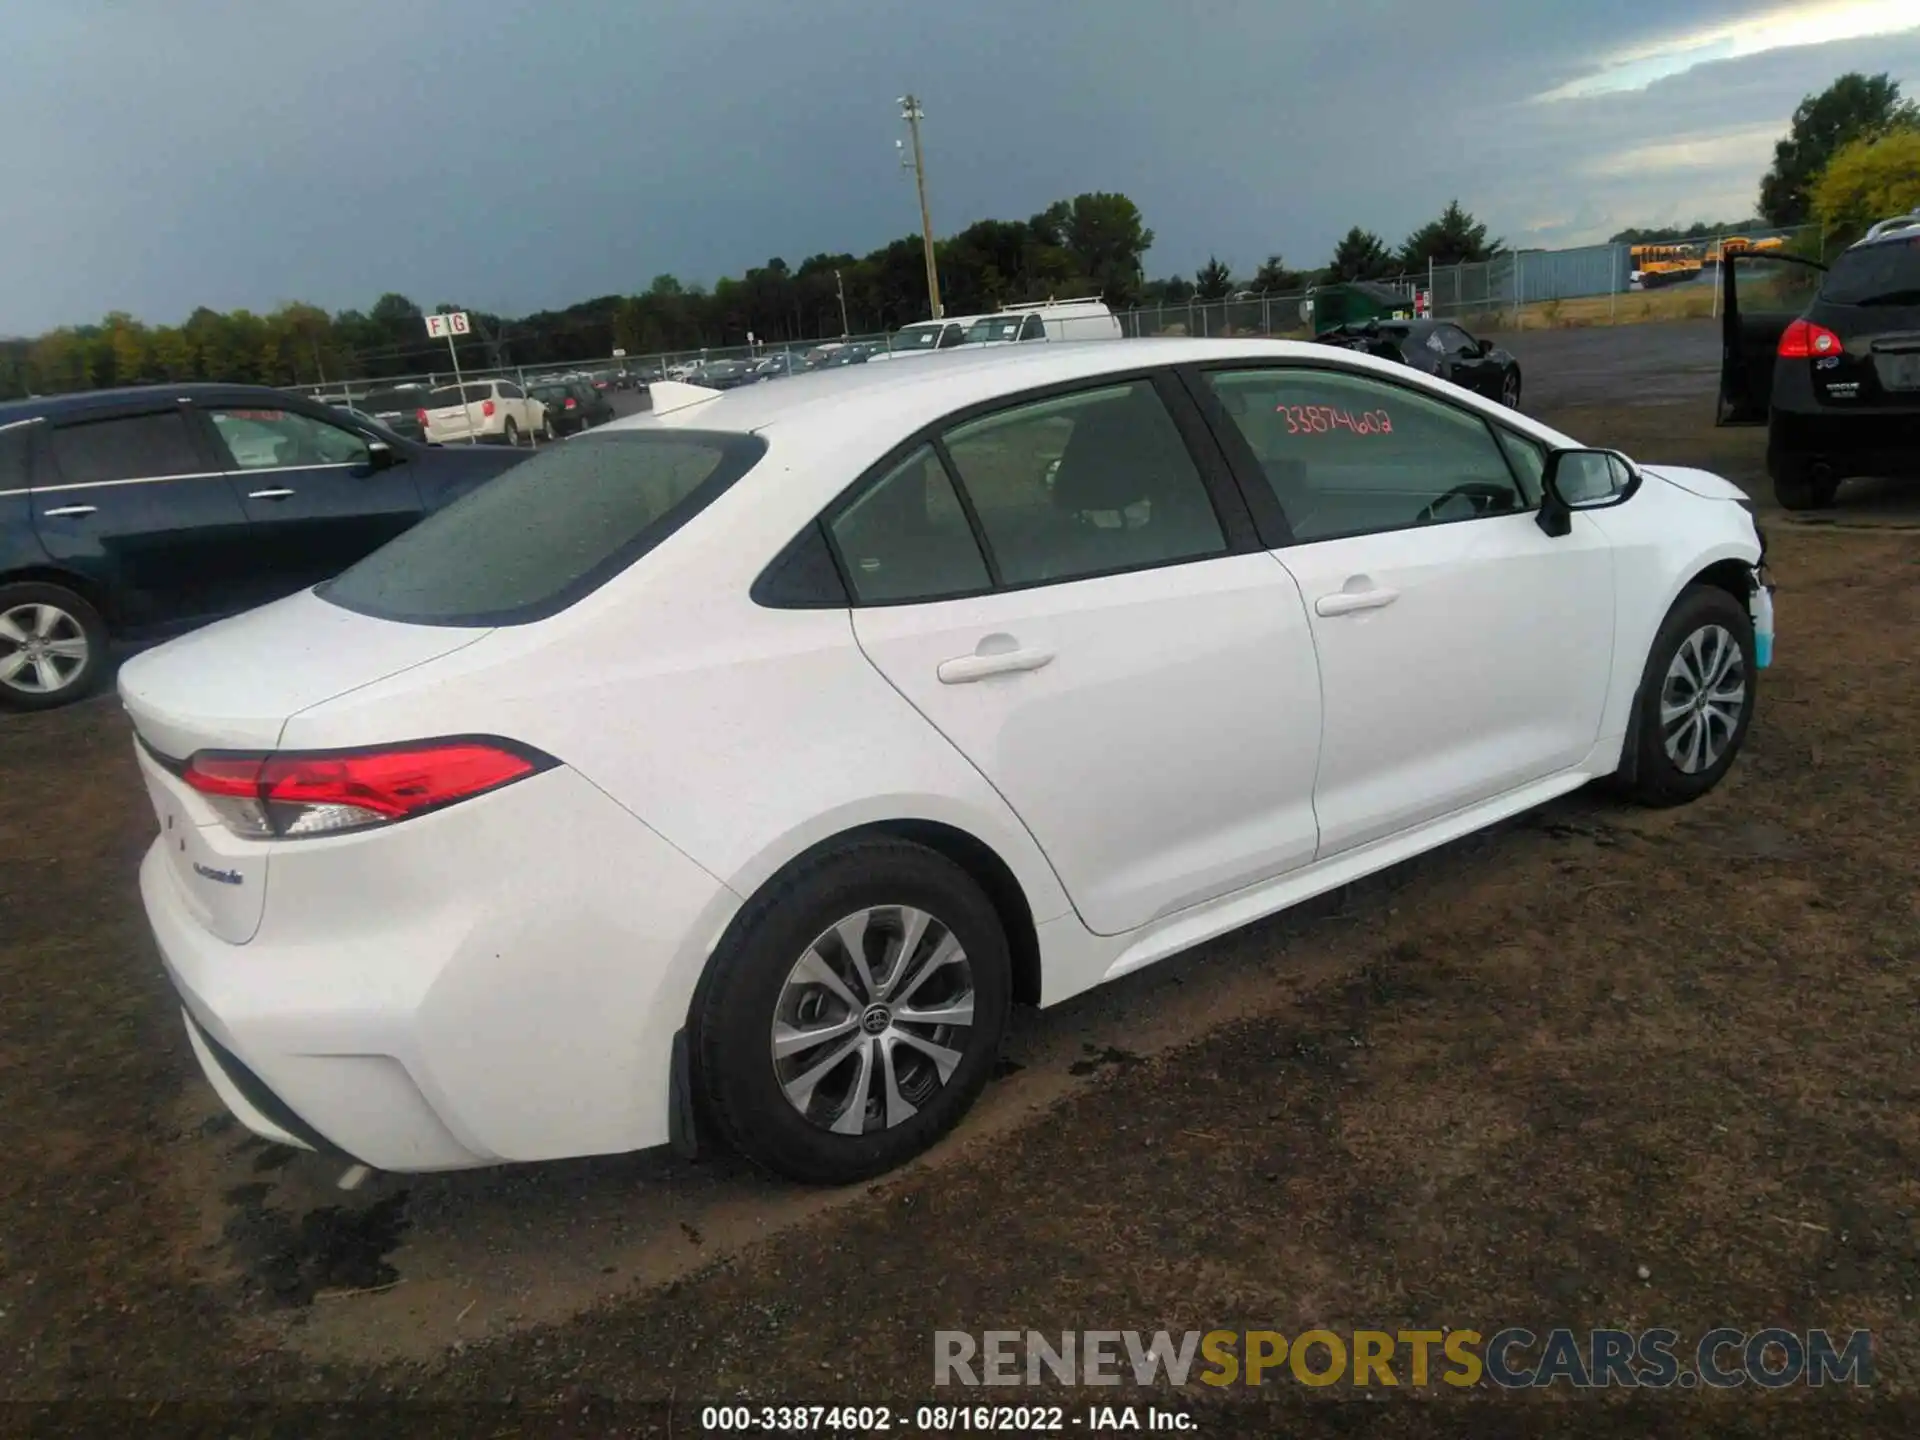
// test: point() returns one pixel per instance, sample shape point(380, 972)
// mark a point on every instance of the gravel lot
point(1484, 1089)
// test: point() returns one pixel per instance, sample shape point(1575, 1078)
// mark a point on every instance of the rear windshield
point(552, 529)
point(549, 392)
point(448, 395)
point(1885, 273)
point(379, 402)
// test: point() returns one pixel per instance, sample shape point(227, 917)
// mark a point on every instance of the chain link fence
point(1592, 284)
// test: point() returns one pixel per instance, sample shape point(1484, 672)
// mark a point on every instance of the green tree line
point(1093, 244)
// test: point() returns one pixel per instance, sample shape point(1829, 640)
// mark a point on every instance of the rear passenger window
point(1085, 484)
point(132, 447)
point(906, 538)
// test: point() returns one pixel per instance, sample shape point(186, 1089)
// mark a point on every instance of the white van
point(1045, 320)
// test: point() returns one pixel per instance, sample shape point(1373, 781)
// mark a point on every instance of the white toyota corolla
point(731, 770)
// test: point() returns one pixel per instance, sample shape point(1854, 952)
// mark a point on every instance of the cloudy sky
point(161, 154)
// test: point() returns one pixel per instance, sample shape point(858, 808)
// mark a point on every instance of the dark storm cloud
point(513, 157)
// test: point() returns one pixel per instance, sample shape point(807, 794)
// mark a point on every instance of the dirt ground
point(1601, 1066)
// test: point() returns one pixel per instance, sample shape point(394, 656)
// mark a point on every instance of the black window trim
point(1224, 491)
point(1275, 530)
point(740, 452)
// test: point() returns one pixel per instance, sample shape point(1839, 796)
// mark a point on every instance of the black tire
point(510, 434)
point(84, 619)
point(546, 430)
point(740, 998)
point(1510, 389)
point(1657, 779)
point(1796, 486)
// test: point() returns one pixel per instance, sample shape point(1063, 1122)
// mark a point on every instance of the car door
point(1462, 651)
point(1760, 296)
point(1068, 589)
point(132, 499)
point(312, 493)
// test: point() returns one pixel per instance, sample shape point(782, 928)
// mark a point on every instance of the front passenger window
point(1349, 455)
point(278, 439)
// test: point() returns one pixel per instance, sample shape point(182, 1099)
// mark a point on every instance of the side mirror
point(380, 456)
point(1485, 347)
point(1583, 480)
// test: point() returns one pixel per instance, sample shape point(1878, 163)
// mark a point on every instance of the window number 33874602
point(1326, 419)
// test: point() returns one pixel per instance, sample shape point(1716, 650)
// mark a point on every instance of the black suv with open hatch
point(1828, 359)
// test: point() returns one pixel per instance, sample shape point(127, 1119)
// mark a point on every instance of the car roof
point(900, 399)
point(1907, 232)
point(79, 402)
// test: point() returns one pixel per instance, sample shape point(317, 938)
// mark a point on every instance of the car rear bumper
point(1854, 440)
point(502, 989)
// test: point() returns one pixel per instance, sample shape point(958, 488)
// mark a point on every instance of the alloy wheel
point(1510, 391)
point(43, 649)
point(873, 1020)
point(1702, 698)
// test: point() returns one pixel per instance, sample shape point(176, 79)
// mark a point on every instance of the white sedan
point(728, 772)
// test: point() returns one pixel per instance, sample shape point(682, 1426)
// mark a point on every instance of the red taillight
point(1803, 340)
point(486, 408)
point(421, 416)
point(318, 794)
point(571, 402)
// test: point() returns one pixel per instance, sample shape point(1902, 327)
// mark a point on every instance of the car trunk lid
point(234, 684)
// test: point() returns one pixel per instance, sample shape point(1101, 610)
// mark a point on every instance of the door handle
point(1347, 602)
point(62, 512)
point(967, 668)
point(268, 494)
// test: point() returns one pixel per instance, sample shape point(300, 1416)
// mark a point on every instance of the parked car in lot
point(907, 696)
point(1439, 348)
point(723, 374)
point(857, 353)
point(128, 514)
point(777, 366)
point(398, 409)
point(924, 338)
point(494, 412)
point(1828, 360)
point(572, 405)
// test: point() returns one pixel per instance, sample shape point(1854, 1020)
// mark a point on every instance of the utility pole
point(841, 291)
point(911, 112)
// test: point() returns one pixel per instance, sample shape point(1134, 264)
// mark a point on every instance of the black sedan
point(1437, 347)
point(723, 374)
point(573, 405)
